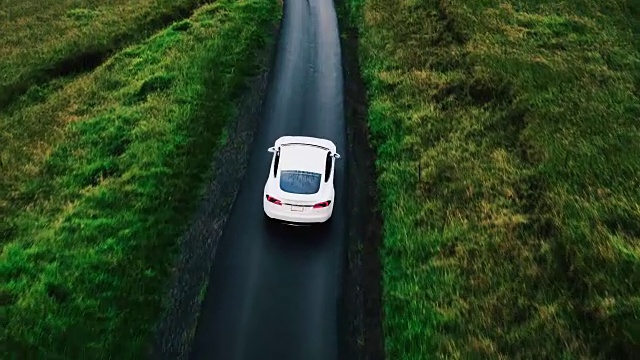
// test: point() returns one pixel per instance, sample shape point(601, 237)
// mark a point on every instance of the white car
point(299, 188)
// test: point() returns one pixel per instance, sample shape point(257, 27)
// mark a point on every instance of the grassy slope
point(91, 222)
point(521, 238)
point(37, 36)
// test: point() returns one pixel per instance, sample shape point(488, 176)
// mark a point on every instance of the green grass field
point(508, 142)
point(41, 39)
point(99, 172)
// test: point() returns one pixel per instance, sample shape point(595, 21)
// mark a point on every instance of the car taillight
point(271, 199)
point(322, 204)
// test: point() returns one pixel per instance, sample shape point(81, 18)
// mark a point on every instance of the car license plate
point(297, 208)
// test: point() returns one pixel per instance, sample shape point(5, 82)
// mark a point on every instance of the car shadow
point(293, 237)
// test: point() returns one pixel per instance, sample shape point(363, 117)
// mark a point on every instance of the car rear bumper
point(308, 216)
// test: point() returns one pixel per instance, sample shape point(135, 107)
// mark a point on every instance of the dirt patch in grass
point(43, 40)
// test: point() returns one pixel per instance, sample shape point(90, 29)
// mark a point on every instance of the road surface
point(273, 290)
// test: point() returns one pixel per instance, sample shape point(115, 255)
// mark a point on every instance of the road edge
point(175, 332)
point(362, 277)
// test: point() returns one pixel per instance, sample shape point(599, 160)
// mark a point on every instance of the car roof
point(306, 140)
point(302, 157)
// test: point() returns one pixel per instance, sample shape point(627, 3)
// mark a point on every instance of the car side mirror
point(271, 149)
point(336, 155)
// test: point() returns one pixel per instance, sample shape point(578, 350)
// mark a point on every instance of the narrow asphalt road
point(273, 290)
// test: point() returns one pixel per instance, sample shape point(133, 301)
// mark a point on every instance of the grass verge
point(40, 40)
point(507, 138)
point(93, 211)
point(361, 317)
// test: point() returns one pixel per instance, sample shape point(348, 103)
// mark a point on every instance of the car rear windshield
point(299, 182)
